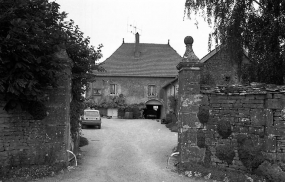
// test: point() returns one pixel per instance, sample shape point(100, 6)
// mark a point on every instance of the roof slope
point(215, 51)
point(155, 60)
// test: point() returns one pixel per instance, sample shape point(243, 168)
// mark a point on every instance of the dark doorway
point(152, 112)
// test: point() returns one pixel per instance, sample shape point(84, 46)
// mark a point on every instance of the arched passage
point(153, 109)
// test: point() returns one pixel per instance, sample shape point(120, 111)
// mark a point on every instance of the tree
point(31, 32)
point(258, 26)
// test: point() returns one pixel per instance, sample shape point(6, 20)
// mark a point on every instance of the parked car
point(91, 117)
point(151, 114)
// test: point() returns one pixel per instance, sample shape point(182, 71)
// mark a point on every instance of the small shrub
point(37, 109)
point(129, 109)
point(173, 102)
point(225, 153)
point(251, 156)
point(224, 128)
point(201, 143)
point(83, 141)
point(208, 159)
point(136, 113)
point(121, 113)
point(203, 115)
point(168, 118)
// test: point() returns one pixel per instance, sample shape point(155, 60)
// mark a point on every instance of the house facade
point(136, 71)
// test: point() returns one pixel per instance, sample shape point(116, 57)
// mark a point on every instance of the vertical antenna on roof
point(133, 29)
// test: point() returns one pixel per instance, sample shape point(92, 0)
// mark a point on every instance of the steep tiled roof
point(155, 60)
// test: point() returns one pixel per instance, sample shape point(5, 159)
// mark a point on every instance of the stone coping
point(253, 88)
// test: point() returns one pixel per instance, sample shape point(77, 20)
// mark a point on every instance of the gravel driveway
point(125, 151)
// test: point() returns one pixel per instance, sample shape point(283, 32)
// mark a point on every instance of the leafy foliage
point(225, 153)
point(31, 32)
point(201, 139)
point(250, 154)
point(224, 128)
point(37, 109)
point(173, 102)
point(203, 115)
point(257, 26)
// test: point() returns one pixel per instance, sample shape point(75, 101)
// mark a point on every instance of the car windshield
point(91, 113)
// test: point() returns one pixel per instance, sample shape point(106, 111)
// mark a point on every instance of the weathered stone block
point(258, 117)
point(275, 131)
point(261, 97)
point(216, 105)
point(193, 153)
point(273, 104)
point(249, 97)
point(189, 119)
point(205, 100)
point(236, 97)
point(280, 157)
point(277, 96)
point(190, 89)
point(227, 105)
point(237, 105)
point(277, 113)
point(270, 144)
point(279, 123)
point(269, 96)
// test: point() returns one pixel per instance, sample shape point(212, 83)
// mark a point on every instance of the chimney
point(137, 52)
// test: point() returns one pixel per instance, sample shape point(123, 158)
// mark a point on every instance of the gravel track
point(125, 151)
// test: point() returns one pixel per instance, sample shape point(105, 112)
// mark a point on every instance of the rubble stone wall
point(259, 115)
point(25, 141)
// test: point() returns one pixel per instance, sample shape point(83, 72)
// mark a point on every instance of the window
point(151, 90)
point(94, 113)
point(113, 89)
point(96, 91)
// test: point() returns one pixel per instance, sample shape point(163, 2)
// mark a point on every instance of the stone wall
point(25, 141)
point(231, 122)
point(258, 115)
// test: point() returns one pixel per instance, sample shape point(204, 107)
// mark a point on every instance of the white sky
point(108, 22)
